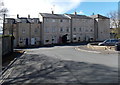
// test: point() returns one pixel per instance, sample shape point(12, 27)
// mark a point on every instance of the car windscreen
point(106, 41)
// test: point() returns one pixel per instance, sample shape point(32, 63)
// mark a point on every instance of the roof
point(79, 16)
point(27, 20)
point(48, 15)
point(9, 20)
point(99, 16)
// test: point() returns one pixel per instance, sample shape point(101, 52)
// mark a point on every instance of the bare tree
point(114, 23)
point(3, 13)
point(3, 10)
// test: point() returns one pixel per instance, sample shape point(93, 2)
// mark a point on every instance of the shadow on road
point(42, 69)
point(6, 59)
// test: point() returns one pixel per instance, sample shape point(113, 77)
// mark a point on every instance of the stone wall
point(6, 45)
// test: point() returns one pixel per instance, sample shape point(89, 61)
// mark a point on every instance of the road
point(63, 64)
point(70, 53)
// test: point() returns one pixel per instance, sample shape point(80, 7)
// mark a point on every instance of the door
point(32, 41)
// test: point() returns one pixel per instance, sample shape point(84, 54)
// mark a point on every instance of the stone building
point(26, 31)
point(54, 27)
point(101, 27)
point(82, 28)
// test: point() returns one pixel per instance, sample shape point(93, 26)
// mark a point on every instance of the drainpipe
point(17, 34)
point(71, 31)
point(30, 33)
point(12, 38)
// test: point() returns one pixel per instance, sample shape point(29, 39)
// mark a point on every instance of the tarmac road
point(71, 53)
point(63, 64)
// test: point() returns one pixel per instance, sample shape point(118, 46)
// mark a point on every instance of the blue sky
point(88, 8)
point(25, 7)
point(34, 7)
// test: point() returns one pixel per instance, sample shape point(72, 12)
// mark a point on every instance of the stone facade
point(26, 31)
point(54, 26)
point(102, 27)
point(82, 28)
point(50, 29)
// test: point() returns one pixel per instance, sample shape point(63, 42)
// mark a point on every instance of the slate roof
point(27, 20)
point(99, 16)
point(10, 20)
point(78, 16)
point(48, 15)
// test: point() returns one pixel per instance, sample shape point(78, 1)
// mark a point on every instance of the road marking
point(86, 50)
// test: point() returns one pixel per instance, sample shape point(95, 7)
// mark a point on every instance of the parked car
point(117, 46)
point(109, 42)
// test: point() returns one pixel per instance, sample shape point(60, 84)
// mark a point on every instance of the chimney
point(75, 13)
point(17, 15)
point(52, 12)
point(28, 16)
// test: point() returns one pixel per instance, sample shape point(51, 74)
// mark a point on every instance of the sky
point(34, 7)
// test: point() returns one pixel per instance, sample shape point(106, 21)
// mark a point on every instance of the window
point(53, 20)
point(86, 30)
point(36, 30)
point(46, 40)
point(114, 41)
point(91, 30)
point(23, 31)
point(67, 30)
point(106, 41)
point(80, 29)
point(74, 29)
point(61, 20)
point(53, 29)
point(61, 29)
point(46, 30)
point(21, 41)
point(78, 38)
point(75, 38)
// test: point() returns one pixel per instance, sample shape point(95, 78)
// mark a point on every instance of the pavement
point(39, 66)
point(7, 59)
point(86, 49)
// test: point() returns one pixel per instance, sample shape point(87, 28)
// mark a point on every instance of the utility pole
point(3, 24)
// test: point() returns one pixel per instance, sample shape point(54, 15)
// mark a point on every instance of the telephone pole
point(3, 24)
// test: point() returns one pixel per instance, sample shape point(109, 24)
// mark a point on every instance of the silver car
point(109, 42)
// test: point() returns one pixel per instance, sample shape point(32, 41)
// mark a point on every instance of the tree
point(3, 10)
point(3, 13)
point(113, 15)
point(114, 22)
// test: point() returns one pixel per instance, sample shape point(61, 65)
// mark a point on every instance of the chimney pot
point(17, 15)
point(28, 16)
point(52, 12)
point(75, 13)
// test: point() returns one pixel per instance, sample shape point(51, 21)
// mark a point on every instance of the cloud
point(101, 0)
point(33, 7)
point(81, 12)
